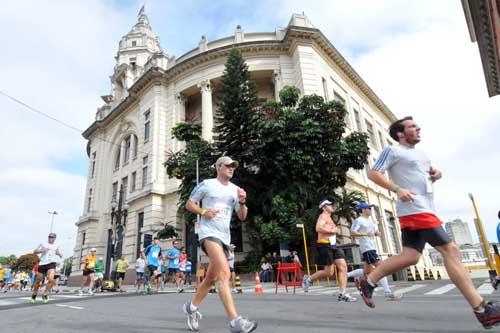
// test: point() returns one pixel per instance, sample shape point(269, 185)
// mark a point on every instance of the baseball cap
point(364, 205)
point(93, 249)
point(324, 203)
point(226, 160)
point(52, 235)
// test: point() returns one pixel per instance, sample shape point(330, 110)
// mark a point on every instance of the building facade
point(151, 91)
point(459, 231)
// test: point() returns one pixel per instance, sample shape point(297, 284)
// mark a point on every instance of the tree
point(26, 262)
point(8, 260)
point(167, 232)
point(68, 266)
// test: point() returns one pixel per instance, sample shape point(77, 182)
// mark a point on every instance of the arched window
point(117, 159)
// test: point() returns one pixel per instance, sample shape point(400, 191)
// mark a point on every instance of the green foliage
point(289, 96)
point(68, 265)
point(167, 232)
point(8, 260)
point(26, 262)
point(345, 205)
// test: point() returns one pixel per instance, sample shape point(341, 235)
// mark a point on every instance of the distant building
point(459, 232)
point(471, 255)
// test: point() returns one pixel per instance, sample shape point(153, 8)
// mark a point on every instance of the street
point(427, 306)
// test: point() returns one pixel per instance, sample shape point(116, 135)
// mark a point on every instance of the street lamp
point(52, 220)
point(484, 240)
point(119, 212)
point(301, 226)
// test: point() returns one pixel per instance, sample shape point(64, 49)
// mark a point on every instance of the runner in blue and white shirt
point(219, 198)
point(153, 254)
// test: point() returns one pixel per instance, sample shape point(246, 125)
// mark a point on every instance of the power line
point(29, 107)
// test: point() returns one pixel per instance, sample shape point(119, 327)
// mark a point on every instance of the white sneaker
point(243, 325)
point(91, 293)
point(306, 283)
point(346, 298)
point(193, 317)
point(80, 292)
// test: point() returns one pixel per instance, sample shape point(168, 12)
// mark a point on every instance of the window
point(145, 160)
point(325, 89)
point(135, 148)
point(383, 239)
point(393, 234)
point(147, 125)
point(92, 172)
point(89, 202)
point(115, 191)
point(133, 180)
point(371, 133)
point(381, 139)
point(357, 117)
point(134, 43)
point(144, 176)
point(124, 187)
point(126, 154)
point(117, 160)
point(338, 98)
point(132, 62)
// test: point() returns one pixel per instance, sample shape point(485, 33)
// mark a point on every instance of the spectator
point(265, 271)
point(189, 270)
point(140, 266)
point(230, 259)
point(99, 273)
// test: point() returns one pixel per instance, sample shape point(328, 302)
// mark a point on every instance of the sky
point(57, 57)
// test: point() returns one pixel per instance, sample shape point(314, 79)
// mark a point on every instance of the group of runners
point(411, 179)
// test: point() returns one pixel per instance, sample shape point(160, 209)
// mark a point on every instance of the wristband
point(203, 211)
point(396, 190)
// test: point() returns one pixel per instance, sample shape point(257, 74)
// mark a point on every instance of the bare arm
point(362, 234)
point(380, 179)
point(324, 228)
point(243, 212)
point(195, 209)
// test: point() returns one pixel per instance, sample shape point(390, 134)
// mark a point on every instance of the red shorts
point(420, 221)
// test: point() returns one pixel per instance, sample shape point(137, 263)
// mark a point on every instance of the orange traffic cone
point(258, 285)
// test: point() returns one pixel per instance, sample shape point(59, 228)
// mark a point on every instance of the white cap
point(324, 203)
point(93, 249)
point(226, 160)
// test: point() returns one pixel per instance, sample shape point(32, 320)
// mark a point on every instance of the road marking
point(485, 289)
point(4, 302)
point(67, 296)
point(408, 289)
point(69, 306)
point(442, 290)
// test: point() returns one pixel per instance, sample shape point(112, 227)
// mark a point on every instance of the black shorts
point(87, 272)
point(120, 275)
point(371, 257)
point(215, 240)
point(231, 269)
point(57, 276)
point(328, 254)
point(172, 271)
point(44, 269)
point(416, 239)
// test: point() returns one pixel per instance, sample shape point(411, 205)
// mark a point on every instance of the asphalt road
point(429, 306)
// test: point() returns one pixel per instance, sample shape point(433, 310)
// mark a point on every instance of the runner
point(48, 252)
point(121, 270)
point(99, 274)
point(366, 230)
point(57, 277)
point(88, 271)
point(329, 255)
point(153, 253)
point(140, 265)
point(173, 255)
point(2, 281)
point(219, 198)
point(182, 267)
point(411, 178)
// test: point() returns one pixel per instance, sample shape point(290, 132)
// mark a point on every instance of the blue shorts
point(371, 257)
point(139, 276)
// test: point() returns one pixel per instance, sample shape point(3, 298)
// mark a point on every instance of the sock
point(233, 322)
point(385, 285)
point(342, 291)
point(480, 308)
point(192, 307)
point(371, 283)
point(355, 273)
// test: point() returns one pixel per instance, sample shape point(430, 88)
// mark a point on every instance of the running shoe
point(80, 292)
point(91, 293)
point(495, 282)
point(45, 299)
point(346, 298)
point(491, 315)
point(306, 283)
point(366, 291)
point(193, 317)
point(180, 290)
point(243, 325)
point(235, 291)
point(393, 297)
point(33, 299)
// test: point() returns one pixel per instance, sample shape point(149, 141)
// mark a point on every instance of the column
point(207, 116)
point(133, 151)
point(122, 152)
point(277, 84)
point(179, 116)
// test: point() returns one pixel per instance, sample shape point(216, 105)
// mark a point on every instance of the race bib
point(91, 264)
point(333, 240)
point(224, 212)
point(155, 254)
point(428, 184)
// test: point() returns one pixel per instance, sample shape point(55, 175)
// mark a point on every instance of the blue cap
point(364, 205)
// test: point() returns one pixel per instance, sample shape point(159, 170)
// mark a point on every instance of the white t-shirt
point(140, 264)
point(50, 256)
point(409, 168)
point(224, 198)
point(363, 225)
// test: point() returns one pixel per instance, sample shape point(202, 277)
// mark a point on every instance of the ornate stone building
point(152, 91)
